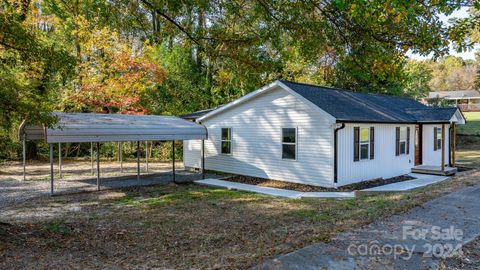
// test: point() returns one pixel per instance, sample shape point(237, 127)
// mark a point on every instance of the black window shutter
point(372, 142)
point(356, 143)
point(408, 140)
point(435, 138)
point(397, 141)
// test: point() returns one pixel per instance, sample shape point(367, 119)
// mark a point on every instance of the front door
point(418, 144)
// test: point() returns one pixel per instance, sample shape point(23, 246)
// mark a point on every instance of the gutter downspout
point(335, 155)
point(203, 149)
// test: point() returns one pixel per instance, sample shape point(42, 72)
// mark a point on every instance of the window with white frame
point(403, 141)
point(364, 143)
point(226, 144)
point(289, 143)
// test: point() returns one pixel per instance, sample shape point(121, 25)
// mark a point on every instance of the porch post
point(443, 147)
point(203, 159)
point(98, 166)
point(51, 169)
point(24, 155)
point(454, 142)
point(60, 160)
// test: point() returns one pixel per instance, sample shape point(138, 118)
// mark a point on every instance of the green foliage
point(418, 77)
point(175, 57)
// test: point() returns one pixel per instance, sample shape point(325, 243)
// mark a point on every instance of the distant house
point(467, 100)
point(326, 137)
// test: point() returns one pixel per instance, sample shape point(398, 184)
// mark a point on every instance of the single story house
point(466, 100)
point(322, 136)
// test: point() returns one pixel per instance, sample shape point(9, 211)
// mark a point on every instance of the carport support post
point(98, 166)
point(138, 161)
point(173, 160)
point(203, 159)
point(60, 160)
point(120, 149)
point(146, 156)
point(24, 155)
point(91, 157)
point(51, 169)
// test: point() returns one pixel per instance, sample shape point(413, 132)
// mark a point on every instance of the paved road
point(413, 240)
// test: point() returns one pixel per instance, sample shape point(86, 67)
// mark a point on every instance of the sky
point(461, 13)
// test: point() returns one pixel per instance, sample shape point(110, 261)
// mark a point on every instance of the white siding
point(256, 141)
point(431, 157)
point(192, 151)
point(385, 164)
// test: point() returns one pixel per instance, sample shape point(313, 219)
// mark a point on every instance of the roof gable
point(265, 89)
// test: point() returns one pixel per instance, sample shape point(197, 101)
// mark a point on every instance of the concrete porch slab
point(437, 170)
point(277, 192)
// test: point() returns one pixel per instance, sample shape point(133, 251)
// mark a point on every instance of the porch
point(437, 170)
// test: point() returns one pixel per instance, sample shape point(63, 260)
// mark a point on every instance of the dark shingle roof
point(432, 114)
point(197, 114)
point(364, 107)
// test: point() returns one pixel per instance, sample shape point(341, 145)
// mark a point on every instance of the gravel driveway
point(77, 177)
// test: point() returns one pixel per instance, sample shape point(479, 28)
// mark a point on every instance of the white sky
point(461, 13)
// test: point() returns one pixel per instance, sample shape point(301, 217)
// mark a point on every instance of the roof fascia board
point(391, 122)
point(461, 121)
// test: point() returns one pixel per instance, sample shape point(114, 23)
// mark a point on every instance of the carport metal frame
point(197, 131)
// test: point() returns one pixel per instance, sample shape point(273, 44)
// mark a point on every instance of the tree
point(418, 77)
point(32, 69)
point(173, 57)
point(452, 73)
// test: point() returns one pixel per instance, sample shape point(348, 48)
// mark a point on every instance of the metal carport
point(97, 128)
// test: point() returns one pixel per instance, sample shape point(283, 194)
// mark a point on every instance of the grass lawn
point(468, 151)
point(473, 124)
point(185, 226)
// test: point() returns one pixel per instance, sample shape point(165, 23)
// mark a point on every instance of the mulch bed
point(309, 188)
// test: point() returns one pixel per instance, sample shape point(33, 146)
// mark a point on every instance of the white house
point(325, 137)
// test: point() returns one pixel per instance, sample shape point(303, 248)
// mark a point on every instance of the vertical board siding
point(430, 156)
point(257, 141)
point(385, 164)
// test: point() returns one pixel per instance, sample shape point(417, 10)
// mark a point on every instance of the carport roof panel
point(92, 127)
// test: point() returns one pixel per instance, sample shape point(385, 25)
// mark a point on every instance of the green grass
point(473, 124)
point(184, 197)
point(58, 227)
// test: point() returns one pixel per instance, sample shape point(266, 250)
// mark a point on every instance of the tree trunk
point(32, 150)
